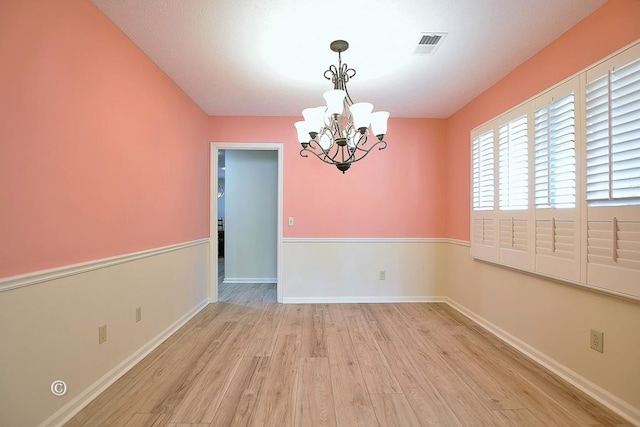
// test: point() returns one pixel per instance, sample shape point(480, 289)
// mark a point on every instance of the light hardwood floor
point(250, 361)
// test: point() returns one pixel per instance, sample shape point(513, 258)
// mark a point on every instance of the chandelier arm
point(348, 96)
point(351, 153)
point(351, 134)
point(332, 74)
point(335, 132)
point(352, 158)
point(341, 154)
point(334, 156)
point(360, 145)
point(382, 143)
point(322, 156)
point(361, 137)
point(320, 153)
point(345, 74)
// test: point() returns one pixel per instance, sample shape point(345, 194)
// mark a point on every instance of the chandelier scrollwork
point(337, 133)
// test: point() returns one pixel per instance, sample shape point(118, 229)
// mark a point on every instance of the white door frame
point(213, 210)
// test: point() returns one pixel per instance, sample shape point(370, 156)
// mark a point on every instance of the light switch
point(290, 221)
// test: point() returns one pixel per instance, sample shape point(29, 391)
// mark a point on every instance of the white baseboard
point(74, 406)
point(612, 402)
point(252, 280)
point(358, 300)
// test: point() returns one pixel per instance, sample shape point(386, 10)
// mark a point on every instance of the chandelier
point(338, 132)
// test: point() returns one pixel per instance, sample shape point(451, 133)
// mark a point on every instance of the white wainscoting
point(337, 270)
point(49, 320)
point(49, 326)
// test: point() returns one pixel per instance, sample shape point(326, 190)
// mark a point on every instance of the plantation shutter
point(556, 180)
point(513, 183)
point(555, 154)
point(557, 233)
point(483, 172)
point(613, 137)
point(514, 164)
point(483, 221)
point(613, 173)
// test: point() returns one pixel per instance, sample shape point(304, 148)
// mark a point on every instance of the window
point(557, 232)
point(484, 223)
point(613, 173)
point(555, 154)
point(483, 194)
point(514, 164)
point(613, 137)
point(556, 180)
point(513, 184)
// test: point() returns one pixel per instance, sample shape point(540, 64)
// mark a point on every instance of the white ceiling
point(267, 57)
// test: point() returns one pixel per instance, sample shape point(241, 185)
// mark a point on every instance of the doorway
point(226, 225)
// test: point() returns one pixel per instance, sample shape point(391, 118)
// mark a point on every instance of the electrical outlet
point(102, 334)
point(383, 275)
point(138, 314)
point(597, 340)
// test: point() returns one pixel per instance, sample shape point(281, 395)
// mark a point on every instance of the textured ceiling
point(257, 57)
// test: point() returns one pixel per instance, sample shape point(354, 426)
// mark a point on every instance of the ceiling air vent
point(429, 43)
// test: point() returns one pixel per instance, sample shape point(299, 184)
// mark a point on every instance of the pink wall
point(100, 152)
point(611, 27)
point(398, 192)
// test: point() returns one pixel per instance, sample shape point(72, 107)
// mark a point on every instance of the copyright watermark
point(59, 388)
